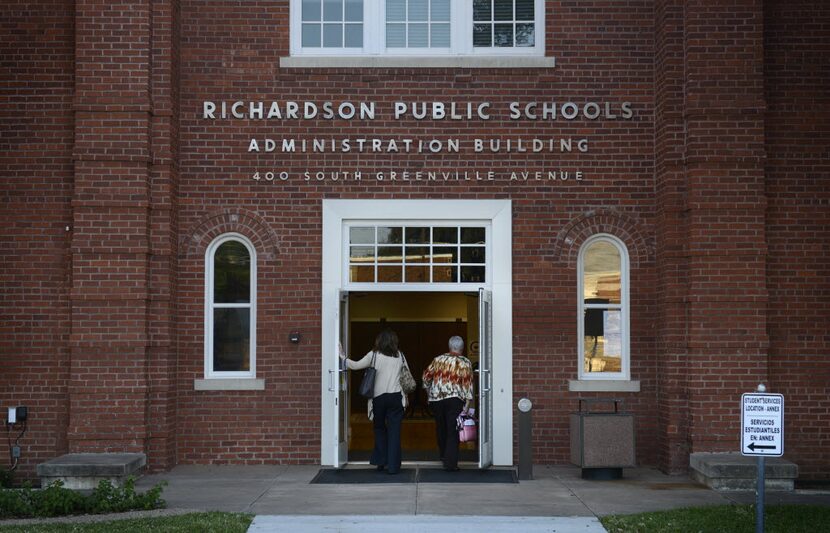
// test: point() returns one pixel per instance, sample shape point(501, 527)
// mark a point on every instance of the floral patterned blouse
point(449, 376)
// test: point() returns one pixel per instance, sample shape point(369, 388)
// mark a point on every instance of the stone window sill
point(228, 384)
point(417, 62)
point(603, 385)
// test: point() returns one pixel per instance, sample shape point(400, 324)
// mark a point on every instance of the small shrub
point(55, 500)
point(6, 478)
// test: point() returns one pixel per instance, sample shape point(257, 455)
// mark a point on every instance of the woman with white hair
point(448, 381)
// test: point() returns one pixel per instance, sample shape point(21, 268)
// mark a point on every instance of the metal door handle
point(487, 382)
point(331, 381)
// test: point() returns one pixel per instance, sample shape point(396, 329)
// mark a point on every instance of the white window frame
point(623, 306)
point(461, 35)
point(404, 286)
point(210, 306)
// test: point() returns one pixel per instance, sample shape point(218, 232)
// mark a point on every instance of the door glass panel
point(361, 235)
point(389, 274)
point(444, 274)
point(390, 254)
point(472, 235)
point(470, 274)
point(472, 254)
point(417, 274)
point(417, 235)
point(445, 235)
point(390, 235)
point(362, 252)
point(445, 254)
point(417, 254)
point(361, 274)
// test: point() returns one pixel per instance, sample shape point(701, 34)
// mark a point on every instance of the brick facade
point(114, 186)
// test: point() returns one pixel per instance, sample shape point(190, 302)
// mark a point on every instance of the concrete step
point(735, 472)
point(85, 470)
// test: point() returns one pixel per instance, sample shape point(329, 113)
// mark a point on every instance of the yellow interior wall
point(409, 306)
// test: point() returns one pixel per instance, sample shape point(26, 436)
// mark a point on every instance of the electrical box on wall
point(17, 415)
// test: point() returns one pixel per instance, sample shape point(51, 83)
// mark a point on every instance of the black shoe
point(380, 468)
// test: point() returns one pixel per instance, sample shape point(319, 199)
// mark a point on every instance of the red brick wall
point(36, 120)
point(102, 326)
point(797, 123)
point(231, 51)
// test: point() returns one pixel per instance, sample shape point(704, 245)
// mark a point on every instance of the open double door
point(340, 383)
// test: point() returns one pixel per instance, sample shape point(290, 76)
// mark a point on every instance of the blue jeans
point(388, 415)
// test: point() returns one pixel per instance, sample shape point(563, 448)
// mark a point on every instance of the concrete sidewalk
point(559, 491)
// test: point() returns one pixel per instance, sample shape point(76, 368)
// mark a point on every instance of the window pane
point(396, 35)
point(354, 36)
point(396, 10)
point(354, 10)
point(525, 35)
point(602, 272)
point(231, 340)
point(472, 255)
point(417, 235)
point(444, 274)
point(525, 9)
point(418, 36)
point(362, 252)
point(232, 273)
point(482, 10)
point(418, 10)
point(311, 35)
point(390, 254)
point(472, 274)
point(417, 274)
point(361, 235)
point(417, 254)
point(390, 235)
point(445, 235)
point(311, 10)
point(445, 254)
point(502, 34)
point(361, 274)
point(390, 274)
point(603, 340)
point(440, 10)
point(482, 35)
point(332, 35)
point(472, 235)
point(503, 9)
point(332, 10)
point(440, 36)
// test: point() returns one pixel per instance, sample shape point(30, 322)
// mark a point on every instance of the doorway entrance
point(410, 250)
point(424, 322)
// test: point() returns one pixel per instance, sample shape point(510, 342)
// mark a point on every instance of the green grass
point(194, 522)
point(724, 519)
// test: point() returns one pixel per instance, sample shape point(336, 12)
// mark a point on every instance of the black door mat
point(464, 475)
point(363, 476)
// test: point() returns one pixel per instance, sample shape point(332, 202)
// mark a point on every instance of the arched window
point(603, 309)
point(230, 308)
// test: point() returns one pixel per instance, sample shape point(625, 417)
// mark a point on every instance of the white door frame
point(500, 282)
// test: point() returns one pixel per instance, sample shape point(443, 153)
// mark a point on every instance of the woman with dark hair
point(388, 402)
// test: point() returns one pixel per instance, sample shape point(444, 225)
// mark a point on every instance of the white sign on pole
point(762, 424)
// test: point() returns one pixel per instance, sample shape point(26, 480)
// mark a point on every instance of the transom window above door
point(417, 254)
point(417, 27)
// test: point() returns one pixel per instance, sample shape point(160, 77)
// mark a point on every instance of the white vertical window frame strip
point(623, 306)
point(210, 305)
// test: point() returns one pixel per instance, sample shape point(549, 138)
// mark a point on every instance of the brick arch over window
point(224, 221)
point(625, 227)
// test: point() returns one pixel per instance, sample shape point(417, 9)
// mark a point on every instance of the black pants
point(446, 431)
point(387, 416)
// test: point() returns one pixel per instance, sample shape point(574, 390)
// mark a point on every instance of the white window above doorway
point(417, 28)
point(395, 253)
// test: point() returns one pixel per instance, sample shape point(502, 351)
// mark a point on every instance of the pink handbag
point(467, 429)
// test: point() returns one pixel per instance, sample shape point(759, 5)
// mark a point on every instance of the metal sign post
point(762, 435)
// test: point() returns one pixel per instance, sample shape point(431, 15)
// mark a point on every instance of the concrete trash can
point(602, 440)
